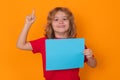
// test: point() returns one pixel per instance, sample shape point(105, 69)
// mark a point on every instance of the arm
point(91, 61)
point(22, 40)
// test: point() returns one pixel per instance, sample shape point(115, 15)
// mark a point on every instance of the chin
point(61, 31)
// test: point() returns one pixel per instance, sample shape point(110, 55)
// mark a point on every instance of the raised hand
point(30, 18)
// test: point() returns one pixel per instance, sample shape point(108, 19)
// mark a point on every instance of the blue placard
point(64, 53)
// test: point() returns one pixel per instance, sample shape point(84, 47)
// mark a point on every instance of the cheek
point(54, 25)
point(67, 24)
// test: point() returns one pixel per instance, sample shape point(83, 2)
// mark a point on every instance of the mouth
point(62, 26)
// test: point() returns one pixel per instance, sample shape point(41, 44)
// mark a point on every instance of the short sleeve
point(37, 45)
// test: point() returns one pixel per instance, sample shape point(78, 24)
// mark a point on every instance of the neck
point(61, 35)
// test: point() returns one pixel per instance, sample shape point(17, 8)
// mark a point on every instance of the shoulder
point(39, 39)
point(38, 44)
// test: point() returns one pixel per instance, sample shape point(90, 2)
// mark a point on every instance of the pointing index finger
point(33, 13)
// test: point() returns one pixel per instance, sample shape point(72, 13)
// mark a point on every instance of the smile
point(61, 26)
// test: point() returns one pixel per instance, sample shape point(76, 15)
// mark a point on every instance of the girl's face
point(60, 22)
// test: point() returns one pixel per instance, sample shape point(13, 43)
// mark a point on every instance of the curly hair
point(49, 32)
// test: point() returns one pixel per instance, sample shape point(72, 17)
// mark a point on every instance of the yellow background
point(98, 21)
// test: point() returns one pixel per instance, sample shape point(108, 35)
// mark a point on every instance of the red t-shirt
point(70, 74)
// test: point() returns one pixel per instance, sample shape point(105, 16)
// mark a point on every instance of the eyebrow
point(63, 16)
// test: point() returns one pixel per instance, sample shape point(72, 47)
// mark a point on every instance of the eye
point(65, 19)
point(55, 19)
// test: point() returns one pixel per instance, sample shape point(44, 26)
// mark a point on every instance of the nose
point(61, 22)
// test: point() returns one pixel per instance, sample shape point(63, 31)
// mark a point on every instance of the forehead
point(60, 14)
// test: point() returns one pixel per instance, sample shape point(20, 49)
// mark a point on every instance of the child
point(60, 24)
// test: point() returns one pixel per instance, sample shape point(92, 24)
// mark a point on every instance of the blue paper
point(64, 53)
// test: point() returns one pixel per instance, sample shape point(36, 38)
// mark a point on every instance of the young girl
point(60, 24)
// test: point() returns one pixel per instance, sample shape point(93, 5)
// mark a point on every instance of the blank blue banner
point(64, 53)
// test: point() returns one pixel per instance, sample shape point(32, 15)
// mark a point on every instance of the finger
point(85, 54)
point(33, 13)
point(86, 50)
point(28, 17)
